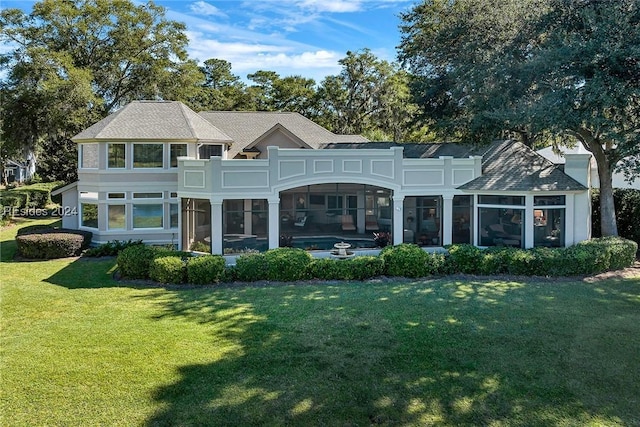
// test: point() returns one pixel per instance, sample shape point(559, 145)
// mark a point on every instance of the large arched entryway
point(318, 216)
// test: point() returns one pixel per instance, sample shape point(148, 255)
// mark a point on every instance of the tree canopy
point(72, 63)
point(564, 71)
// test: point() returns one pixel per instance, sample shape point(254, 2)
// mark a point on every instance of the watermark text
point(60, 211)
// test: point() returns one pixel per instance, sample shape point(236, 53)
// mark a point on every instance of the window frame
point(124, 215)
point(171, 157)
point(114, 145)
point(82, 213)
point(133, 216)
point(148, 146)
point(81, 153)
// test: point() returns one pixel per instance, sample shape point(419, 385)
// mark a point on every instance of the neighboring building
point(160, 172)
point(18, 172)
point(558, 158)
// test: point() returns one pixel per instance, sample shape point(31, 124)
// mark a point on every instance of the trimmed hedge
point(405, 260)
point(28, 196)
point(135, 261)
point(357, 268)
point(205, 269)
point(111, 248)
point(287, 264)
point(50, 243)
point(464, 258)
point(589, 257)
point(251, 267)
point(167, 269)
point(410, 260)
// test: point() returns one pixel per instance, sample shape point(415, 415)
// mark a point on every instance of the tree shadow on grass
point(87, 273)
point(428, 352)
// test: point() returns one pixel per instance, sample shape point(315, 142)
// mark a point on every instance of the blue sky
point(291, 37)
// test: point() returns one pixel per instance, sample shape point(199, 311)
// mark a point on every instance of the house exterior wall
point(69, 210)
point(217, 179)
point(277, 139)
point(104, 187)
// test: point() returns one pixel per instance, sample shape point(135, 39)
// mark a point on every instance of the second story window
point(177, 150)
point(147, 155)
point(117, 156)
point(209, 150)
point(89, 156)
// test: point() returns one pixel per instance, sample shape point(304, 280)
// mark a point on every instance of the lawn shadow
point(7, 250)
point(87, 273)
point(418, 353)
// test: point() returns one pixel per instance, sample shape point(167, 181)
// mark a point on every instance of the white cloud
point(206, 9)
point(247, 57)
point(305, 37)
point(331, 6)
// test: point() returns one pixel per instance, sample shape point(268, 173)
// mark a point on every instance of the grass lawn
point(80, 349)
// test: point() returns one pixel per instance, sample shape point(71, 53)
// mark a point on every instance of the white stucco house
point(158, 171)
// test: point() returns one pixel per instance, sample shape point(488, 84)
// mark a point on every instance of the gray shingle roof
point(415, 151)
point(245, 127)
point(506, 165)
point(512, 166)
point(153, 120)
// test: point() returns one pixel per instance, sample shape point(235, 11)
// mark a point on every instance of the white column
point(576, 223)
point(248, 217)
point(475, 220)
point(362, 212)
point(527, 224)
point(447, 218)
point(274, 223)
point(216, 227)
point(180, 227)
point(398, 219)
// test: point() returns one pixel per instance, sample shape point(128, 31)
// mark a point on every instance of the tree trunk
point(608, 225)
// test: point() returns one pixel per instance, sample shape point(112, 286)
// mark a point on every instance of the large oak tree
point(72, 63)
point(562, 70)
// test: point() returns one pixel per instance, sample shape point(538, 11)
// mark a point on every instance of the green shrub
point(406, 260)
point(52, 243)
point(551, 262)
point(111, 248)
point(627, 205)
point(38, 198)
point(326, 269)
point(26, 197)
point(135, 260)
point(44, 242)
point(464, 258)
point(13, 199)
point(200, 247)
point(356, 268)
point(205, 269)
point(585, 260)
point(436, 263)
point(37, 228)
point(601, 254)
point(495, 260)
point(362, 267)
point(167, 269)
point(623, 252)
point(230, 274)
point(251, 267)
point(521, 262)
point(287, 264)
